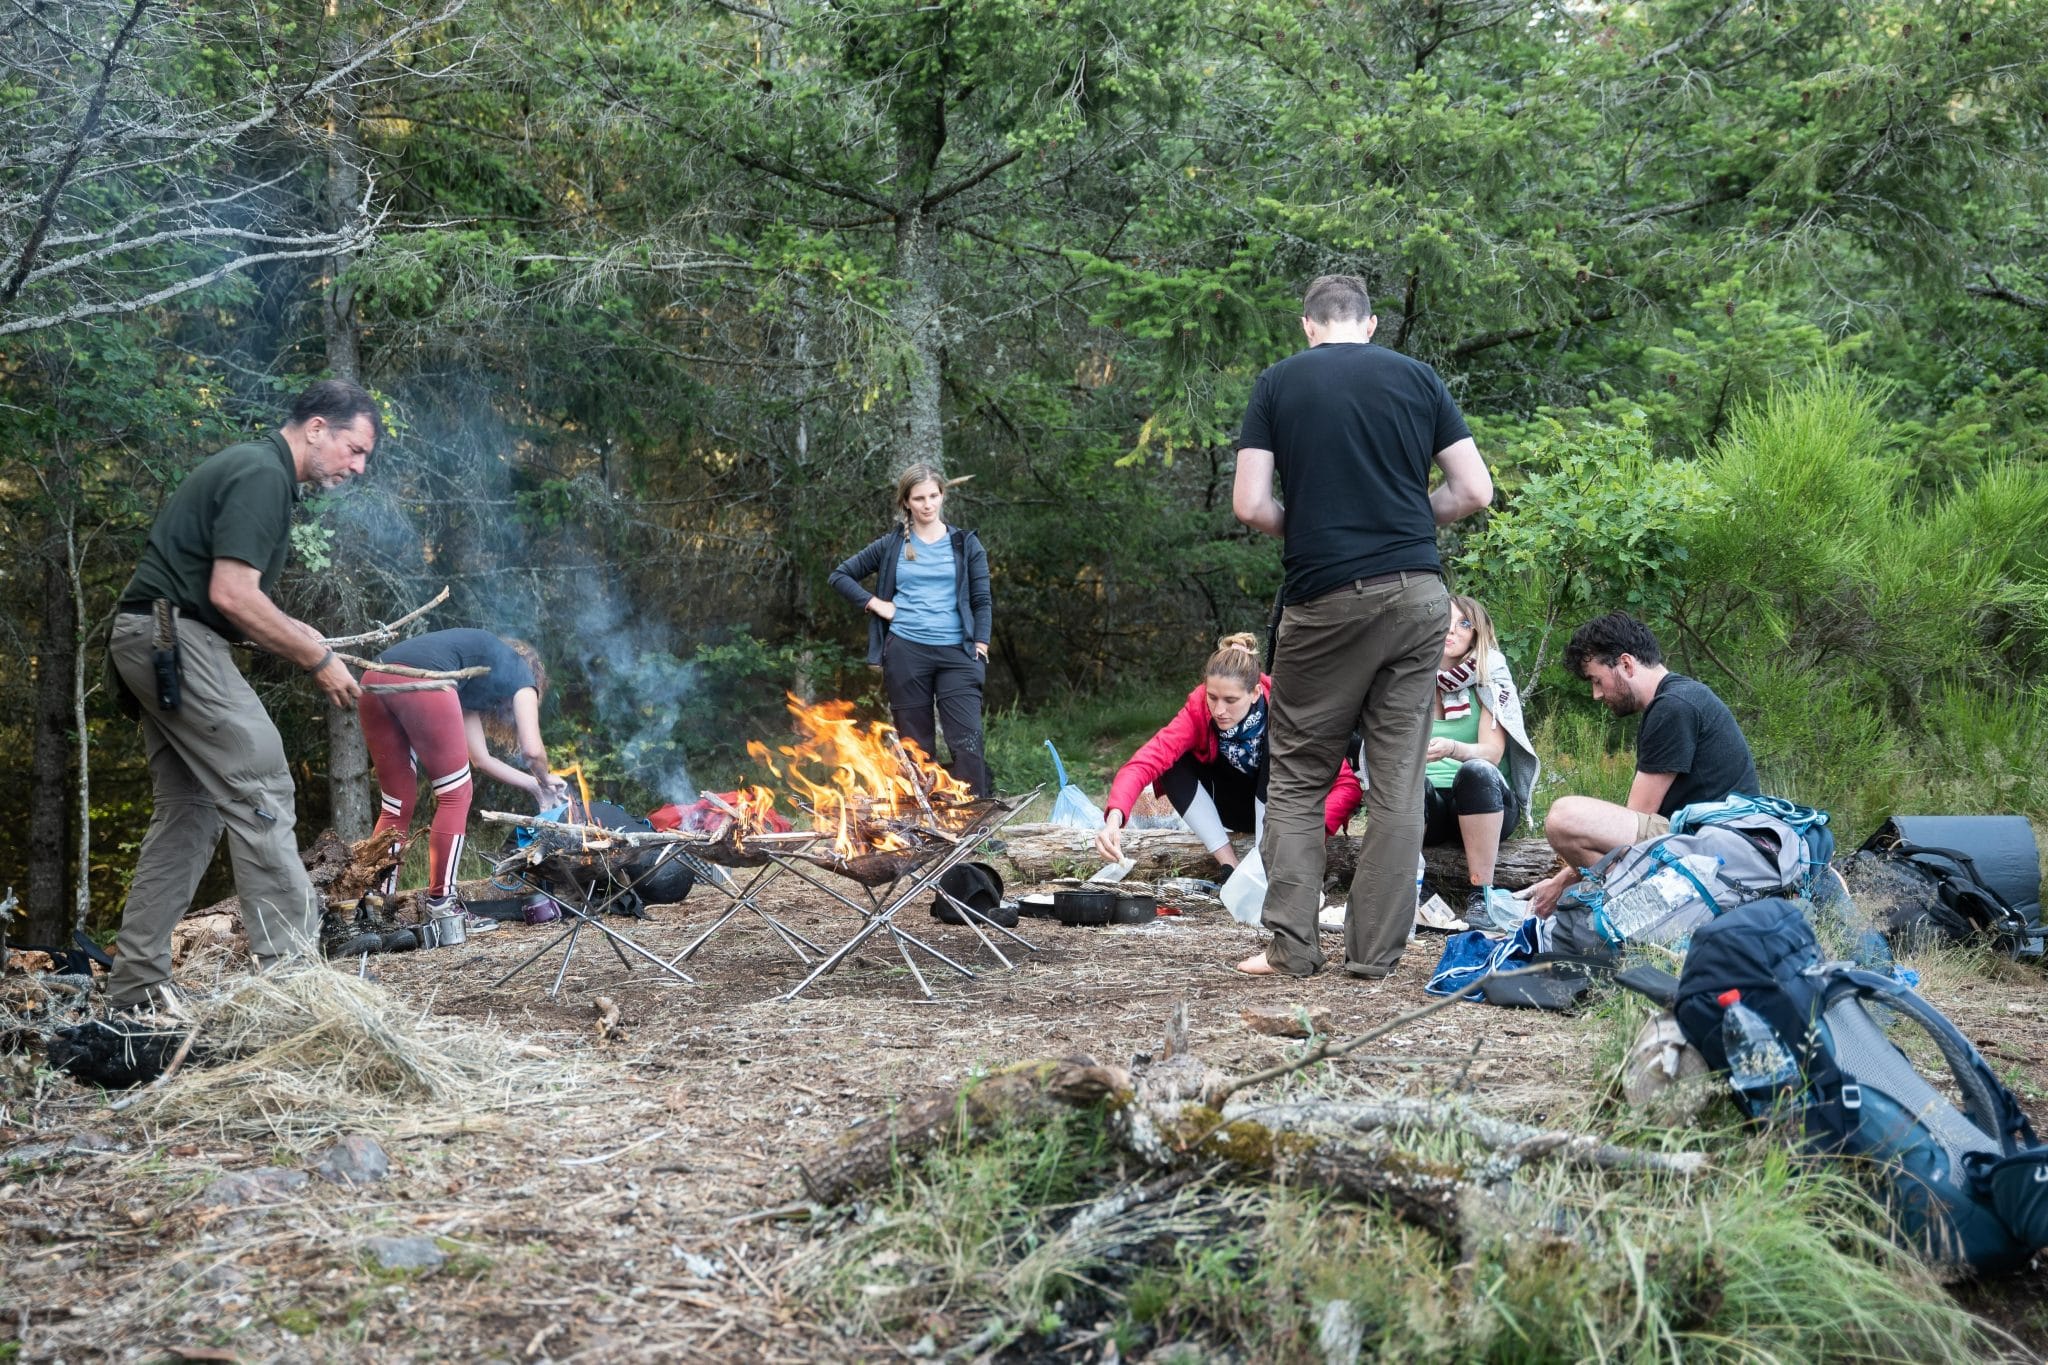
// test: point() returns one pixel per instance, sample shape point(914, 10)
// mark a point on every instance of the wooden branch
point(1029, 1092)
point(1488, 340)
point(388, 631)
point(437, 674)
point(636, 838)
point(1995, 290)
point(1520, 1140)
point(1150, 1111)
point(1327, 1049)
point(80, 312)
point(425, 686)
point(971, 179)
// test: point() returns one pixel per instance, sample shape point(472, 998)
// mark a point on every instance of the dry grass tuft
point(306, 1053)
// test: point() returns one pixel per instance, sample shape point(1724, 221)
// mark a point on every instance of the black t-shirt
point(1691, 732)
point(448, 650)
point(1354, 429)
point(236, 505)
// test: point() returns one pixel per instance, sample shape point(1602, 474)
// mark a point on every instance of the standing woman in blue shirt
point(929, 621)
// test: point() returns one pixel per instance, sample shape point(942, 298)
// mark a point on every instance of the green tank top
point(1464, 731)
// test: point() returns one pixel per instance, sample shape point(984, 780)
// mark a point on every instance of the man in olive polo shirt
point(216, 762)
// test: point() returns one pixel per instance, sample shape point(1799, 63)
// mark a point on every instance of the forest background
point(1745, 301)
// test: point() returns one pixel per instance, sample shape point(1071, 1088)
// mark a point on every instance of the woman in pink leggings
point(444, 734)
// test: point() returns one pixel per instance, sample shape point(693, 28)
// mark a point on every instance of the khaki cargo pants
point(215, 763)
point(1364, 657)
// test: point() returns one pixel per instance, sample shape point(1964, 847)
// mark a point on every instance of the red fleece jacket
point(1191, 731)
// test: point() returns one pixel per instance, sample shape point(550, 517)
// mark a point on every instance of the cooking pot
point(1134, 907)
point(1083, 907)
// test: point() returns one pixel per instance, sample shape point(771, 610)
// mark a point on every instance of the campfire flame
point(851, 777)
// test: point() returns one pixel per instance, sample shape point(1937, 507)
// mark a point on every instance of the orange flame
point(850, 774)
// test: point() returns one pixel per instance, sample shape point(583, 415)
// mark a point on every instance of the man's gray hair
point(1337, 298)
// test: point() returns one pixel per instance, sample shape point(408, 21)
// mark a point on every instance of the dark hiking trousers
point(949, 677)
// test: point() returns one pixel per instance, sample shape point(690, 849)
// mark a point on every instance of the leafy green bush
point(1597, 524)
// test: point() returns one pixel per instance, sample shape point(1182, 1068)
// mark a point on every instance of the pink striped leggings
point(404, 731)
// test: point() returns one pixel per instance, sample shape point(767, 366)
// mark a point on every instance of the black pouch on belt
point(164, 654)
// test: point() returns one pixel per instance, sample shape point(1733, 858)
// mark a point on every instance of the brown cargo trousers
point(216, 762)
point(1363, 657)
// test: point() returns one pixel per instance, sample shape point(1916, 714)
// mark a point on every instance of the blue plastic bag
point(1071, 807)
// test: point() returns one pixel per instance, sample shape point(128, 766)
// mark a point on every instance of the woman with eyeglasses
point(1482, 768)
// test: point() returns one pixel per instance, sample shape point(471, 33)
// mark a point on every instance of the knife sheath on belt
point(164, 655)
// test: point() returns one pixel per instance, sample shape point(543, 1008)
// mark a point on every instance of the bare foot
point(1256, 965)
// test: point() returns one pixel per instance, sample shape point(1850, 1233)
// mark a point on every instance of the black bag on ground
point(977, 886)
point(1952, 878)
point(1547, 981)
point(115, 1055)
point(1966, 1181)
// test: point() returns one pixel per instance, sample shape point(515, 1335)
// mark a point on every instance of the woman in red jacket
point(1210, 761)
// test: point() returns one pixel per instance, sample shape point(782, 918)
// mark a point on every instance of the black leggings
point(1236, 795)
point(917, 678)
point(1478, 789)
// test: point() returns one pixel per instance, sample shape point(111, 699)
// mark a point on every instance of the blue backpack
point(1967, 1183)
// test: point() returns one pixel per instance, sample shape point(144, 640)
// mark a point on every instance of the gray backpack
point(1662, 889)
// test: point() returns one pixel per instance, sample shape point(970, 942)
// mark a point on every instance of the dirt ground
point(633, 1221)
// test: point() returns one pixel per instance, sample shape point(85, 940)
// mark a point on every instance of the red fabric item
point(1192, 732)
point(702, 817)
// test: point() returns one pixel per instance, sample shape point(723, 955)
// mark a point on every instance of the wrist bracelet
point(325, 659)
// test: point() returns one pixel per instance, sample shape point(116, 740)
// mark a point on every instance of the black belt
point(184, 621)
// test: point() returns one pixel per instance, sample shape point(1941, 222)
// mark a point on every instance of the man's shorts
point(1649, 827)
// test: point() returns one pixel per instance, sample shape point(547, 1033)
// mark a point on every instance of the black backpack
point(1952, 878)
point(1967, 1185)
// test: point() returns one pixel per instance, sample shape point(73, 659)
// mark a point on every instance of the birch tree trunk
point(81, 901)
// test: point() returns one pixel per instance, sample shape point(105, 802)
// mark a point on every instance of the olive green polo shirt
point(236, 505)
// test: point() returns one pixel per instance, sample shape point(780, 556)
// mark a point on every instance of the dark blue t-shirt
point(450, 650)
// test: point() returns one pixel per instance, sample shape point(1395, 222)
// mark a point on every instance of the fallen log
point(1040, 852)
point(1176, 1114)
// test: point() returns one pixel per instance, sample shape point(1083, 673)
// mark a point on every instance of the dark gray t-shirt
point(1354, 429)
point(236, 505)
point(1691, 732)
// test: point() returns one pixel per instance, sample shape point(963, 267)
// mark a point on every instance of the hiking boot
point(434, 907)
point(162, 1011)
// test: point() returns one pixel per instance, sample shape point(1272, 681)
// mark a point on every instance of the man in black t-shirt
point(216, 762)
point(1688, 749)
point(1352, 430)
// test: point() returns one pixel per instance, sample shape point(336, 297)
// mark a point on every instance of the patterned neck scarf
point(1454, 685)
point(1244, 743)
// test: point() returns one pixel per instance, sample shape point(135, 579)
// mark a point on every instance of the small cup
point(448, 930)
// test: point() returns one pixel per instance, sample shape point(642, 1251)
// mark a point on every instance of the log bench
point(1040, 852)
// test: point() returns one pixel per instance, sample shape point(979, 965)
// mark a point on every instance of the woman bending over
point(1210, 761)
point(447, 731)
